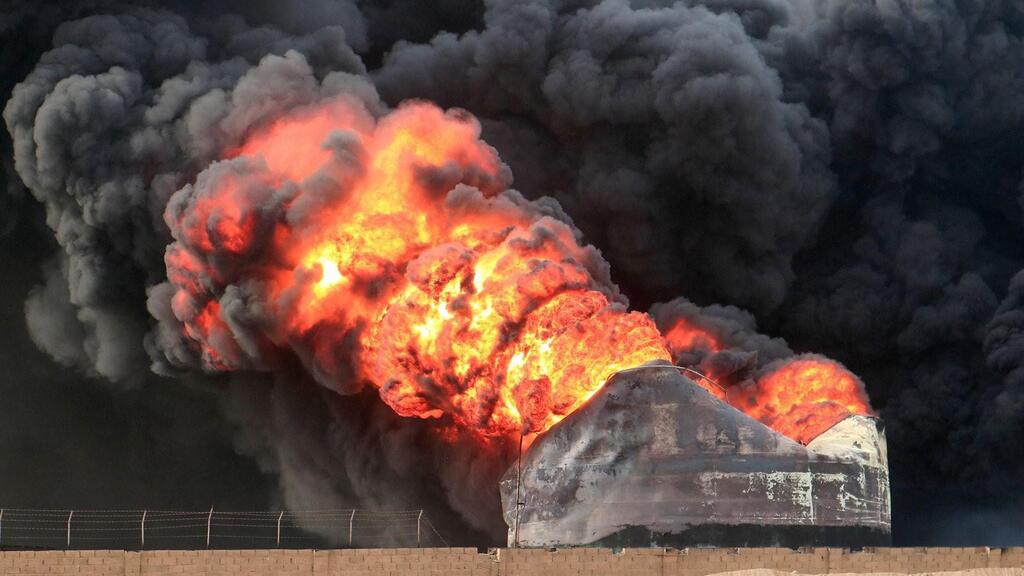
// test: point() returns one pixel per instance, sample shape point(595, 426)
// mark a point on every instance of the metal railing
point(174, 529)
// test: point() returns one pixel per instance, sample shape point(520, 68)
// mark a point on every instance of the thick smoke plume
point(846, 172)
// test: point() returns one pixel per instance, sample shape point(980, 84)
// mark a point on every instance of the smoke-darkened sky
point(840, 177)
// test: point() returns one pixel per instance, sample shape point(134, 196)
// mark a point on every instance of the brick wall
point(503, 562)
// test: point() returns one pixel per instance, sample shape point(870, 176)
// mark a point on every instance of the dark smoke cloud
point(121, 113)
point(332, 451)
point(684, 157)
point(108, 125)
point(923, 102)
point(847, 171)
point(745, 350)
point(68, 441)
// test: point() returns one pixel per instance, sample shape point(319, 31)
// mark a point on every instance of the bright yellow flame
point(330, 276)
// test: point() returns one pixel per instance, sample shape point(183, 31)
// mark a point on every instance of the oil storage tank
point(653, 459)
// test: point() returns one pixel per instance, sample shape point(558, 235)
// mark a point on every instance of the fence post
point(350, 520)
point(143, 533)
point(418, 522)
point(209, 521)
point(1, 525)
point(279, 516)
point(70, 514)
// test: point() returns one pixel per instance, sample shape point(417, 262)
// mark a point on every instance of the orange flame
point(470, 304)
point(389, 251)
point(805, 397)
point(684, 339)
point(683, 336)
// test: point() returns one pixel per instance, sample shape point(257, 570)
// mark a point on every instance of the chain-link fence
point(172, 529)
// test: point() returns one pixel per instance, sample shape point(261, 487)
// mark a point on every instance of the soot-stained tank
point(655, 460)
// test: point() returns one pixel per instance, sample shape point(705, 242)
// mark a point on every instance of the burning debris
point(655, 460)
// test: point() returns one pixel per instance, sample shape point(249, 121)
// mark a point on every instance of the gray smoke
point(121, 113)
point(670, 127)
point(160, 444)
point(331, 452)
point(846, 172)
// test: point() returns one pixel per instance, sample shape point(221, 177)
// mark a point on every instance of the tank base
point(748, 536)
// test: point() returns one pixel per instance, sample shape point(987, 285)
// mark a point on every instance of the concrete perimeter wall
point(503, 562)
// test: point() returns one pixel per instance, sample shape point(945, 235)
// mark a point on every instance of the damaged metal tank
point(655, 460)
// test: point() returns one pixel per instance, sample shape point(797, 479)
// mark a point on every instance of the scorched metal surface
point(655, 460)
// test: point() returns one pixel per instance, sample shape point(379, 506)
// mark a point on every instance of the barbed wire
point(173, 529)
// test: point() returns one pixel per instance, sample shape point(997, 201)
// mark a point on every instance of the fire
point(804, 398)
point(389, 251)
point(683, 337)
point(800, 399)
point(395, 241)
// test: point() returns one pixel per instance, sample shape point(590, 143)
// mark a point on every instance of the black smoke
point(845, 174)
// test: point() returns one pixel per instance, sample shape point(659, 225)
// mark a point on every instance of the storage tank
point(653, 459)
